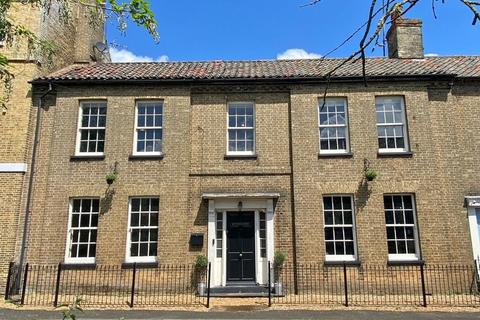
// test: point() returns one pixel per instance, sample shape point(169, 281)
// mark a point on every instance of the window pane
point(143, 249)
point(392, 248)
point(154, 204)
point(327, 203)
point(328, 233)
point(134, 250)
point(75, 220)
point(339, 247)
point(82, 250)
point(135, 235)
point(347, 217)
point(328, 217)
point(330, 248)
point(85, 220)
point(349, 248)
point(153, 249)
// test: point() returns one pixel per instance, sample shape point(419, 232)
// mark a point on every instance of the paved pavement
point(257, 315)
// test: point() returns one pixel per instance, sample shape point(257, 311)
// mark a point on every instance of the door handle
point(240, 255)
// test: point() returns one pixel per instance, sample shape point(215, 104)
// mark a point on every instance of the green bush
point(279, 258)
point(201, 262)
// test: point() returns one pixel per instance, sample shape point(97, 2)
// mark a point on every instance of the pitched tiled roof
point(460, 66)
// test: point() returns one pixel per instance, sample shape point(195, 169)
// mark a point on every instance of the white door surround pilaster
point(238, 202)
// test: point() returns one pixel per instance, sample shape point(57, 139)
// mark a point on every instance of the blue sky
point(195, 30)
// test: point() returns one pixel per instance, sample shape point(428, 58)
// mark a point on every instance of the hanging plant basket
point(371, 174)
point(110, 178)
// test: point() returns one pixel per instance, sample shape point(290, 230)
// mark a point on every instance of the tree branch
point(471, 5)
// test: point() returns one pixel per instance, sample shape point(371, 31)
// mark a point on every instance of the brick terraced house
point(240, 159)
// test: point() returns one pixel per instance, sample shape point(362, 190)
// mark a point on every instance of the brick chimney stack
point(404, 37)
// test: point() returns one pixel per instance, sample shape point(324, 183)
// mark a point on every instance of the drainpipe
point(23, 249)
point(292, 194)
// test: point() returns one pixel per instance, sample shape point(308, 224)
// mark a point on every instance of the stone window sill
point(406, 154)
point(240, 157)
point(87, 158)
point(79, 266)
point(133, 157)
point(335, 155)
point(356, 263)
point(391, 263)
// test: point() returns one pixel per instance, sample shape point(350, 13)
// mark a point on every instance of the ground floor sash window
point(339, 228)
point(402, 237)
point(142, 237)
point(82, 231)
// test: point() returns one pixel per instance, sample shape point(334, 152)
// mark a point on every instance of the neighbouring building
point(75, 43)
point(239, 159)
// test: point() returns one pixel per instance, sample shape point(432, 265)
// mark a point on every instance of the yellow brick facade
point(439, 172)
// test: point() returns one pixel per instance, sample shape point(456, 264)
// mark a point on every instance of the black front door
point(240, 246)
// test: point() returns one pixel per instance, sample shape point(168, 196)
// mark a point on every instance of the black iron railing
point(422, 285)
point(106, 285)
point(454, 285)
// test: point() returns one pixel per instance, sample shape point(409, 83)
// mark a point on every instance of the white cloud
point(432, 55)
point(295, 54)
point(123, 55)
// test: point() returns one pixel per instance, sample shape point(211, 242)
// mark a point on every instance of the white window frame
point(343, 257)
point(80, 128)
point(405, 256)
point(144, 259)
point(403, 124)
point(135, 135)
point(68, 258)
point(320, 126)
point(241, 153)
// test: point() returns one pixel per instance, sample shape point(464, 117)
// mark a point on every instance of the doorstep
point(241, 291)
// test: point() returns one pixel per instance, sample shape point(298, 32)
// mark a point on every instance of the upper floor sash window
point(149, 128)
point(241, 128)
point(391, 124)
point(333, 125)
point(91, 128)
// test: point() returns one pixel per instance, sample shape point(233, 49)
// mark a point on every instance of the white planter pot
point(278, 287)
point(201, 289)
